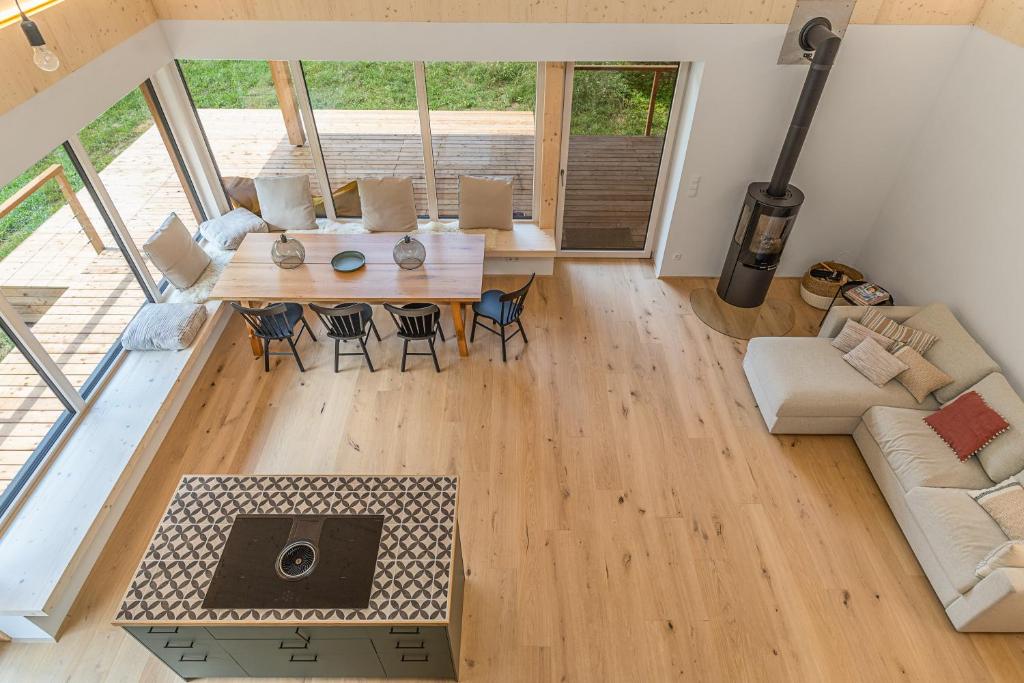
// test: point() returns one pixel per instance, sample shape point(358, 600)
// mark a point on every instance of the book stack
point(867, 294)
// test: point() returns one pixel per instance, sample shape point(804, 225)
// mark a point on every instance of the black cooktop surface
point(345, 551)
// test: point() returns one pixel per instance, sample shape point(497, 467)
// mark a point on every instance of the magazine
point(867, 294)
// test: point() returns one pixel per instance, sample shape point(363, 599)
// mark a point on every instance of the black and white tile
point(413, 562)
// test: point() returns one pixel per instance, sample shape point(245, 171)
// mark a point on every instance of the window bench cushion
point(164, 327)
point(228, 231)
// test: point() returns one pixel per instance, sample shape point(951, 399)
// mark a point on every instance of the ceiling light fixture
point(42, 56)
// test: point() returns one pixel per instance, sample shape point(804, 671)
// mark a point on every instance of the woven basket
point(819, 293)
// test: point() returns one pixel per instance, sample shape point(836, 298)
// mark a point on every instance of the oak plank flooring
point(625, 514)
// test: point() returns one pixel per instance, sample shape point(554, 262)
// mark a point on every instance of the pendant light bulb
point(45, 58)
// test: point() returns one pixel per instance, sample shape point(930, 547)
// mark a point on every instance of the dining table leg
point(254, 342)
point(460, 328)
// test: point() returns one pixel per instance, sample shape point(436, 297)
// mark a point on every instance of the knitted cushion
point(164, 327)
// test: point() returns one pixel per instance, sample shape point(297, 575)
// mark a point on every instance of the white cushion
point(228, 231)
point(485, 203)
point(806, 377)
point(917, 455)
point(387, 204)
point(1009, 554)
point(955, 353)
point(286, 202)
point(1003, 457)
point(164, 327)
point(175, 253)
point(959, 531)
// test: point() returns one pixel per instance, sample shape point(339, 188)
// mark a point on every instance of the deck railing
point(55, 172)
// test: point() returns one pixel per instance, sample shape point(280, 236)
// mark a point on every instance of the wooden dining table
point(451, 275)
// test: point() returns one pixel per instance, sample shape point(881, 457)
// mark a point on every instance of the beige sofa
point(803, 386)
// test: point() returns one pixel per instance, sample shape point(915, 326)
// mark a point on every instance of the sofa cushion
point(959, 531)
point(1003, 457)
point(955, 353)
point(874, 362)
point(228, 231)
point(917, 455)
point(485, 203)
point(920, 378)
point(853, 333)
point(286, 202)
point(387, 204)
point(1009, 554)
point(920, 341)
point(241, 193)
point(1004, 503)
point(806, 377)
point(175, 253)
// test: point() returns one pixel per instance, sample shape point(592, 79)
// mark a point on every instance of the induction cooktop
point(297, 561)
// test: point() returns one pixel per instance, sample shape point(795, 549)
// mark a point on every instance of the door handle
point(561, 176)
point(303, 658)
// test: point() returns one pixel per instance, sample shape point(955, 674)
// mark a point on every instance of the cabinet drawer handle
point(409, 645)
point(293, 645)
point(304, 658)
point(300, 634)
point(192, 658)
point(179, 644)
point(410, 657)
point(163, 630)
point(405, 630)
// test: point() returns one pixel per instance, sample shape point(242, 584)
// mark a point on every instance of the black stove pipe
point(816, 36)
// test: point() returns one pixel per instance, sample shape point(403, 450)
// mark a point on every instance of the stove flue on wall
point(770, 209)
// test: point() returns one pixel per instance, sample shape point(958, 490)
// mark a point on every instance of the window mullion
point(312, 136)
point(116, 224)
point(37, 356)
point(428, 145)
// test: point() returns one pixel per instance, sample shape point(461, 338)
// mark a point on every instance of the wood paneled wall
point(1004, 18)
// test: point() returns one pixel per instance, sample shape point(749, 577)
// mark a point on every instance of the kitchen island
point(302, 576)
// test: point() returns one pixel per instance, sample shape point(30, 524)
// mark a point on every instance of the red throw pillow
point(967, 424)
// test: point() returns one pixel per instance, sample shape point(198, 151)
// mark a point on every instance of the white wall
point(881, 88)
point(951, 228)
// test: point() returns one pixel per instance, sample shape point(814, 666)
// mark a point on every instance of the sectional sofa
point(803, 386)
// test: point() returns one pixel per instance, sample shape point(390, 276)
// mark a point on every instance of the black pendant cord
point(816, 35)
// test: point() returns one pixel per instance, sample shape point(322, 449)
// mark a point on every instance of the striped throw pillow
point(1005, 504)
point(906, 336)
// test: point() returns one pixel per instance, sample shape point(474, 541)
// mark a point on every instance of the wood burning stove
point(770, 209)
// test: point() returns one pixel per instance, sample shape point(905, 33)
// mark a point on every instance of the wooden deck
point(609, 191)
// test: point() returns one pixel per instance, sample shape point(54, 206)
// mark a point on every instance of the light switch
point(693, 187)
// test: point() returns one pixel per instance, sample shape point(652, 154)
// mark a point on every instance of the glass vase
point(288, 252)
point(409, 253)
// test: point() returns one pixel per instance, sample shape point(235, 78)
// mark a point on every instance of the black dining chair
point(348, 322)
point(417, 322)
point(276, 322)
point(504, 310)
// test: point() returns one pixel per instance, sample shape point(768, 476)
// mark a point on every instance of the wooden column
point(279, 71)
point(551, 142)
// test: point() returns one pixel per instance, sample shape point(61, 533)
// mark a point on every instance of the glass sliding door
point(618, 117)
point(369, 127)
point(482, 123)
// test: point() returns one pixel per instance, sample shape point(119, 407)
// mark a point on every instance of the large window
point(368, 122)
point(248, 112)
point(482, 124)
point(71, 275)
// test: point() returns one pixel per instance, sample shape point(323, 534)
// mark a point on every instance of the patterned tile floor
point(413, 563)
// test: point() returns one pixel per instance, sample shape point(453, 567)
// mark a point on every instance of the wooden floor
point(609, 191)
point(625, 514)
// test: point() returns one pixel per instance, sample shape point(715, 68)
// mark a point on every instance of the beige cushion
point(874, 362)
point(958, 530)
point(1009, 554)
point(806, 377)
point(1002, 457)
point(917, 455)
point(920, 341)
point(286, 202)
point(175, 253)
point(228, 231)
point(921, 377)
point(853, 333)
point(1005, 504)
point(485, 203)
point(164, 327)
point(387, 204)
point(955, 353)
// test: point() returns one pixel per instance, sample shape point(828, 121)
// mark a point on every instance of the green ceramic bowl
point(347, 261)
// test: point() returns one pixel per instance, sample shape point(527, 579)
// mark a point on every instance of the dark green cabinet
point(353, 658)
